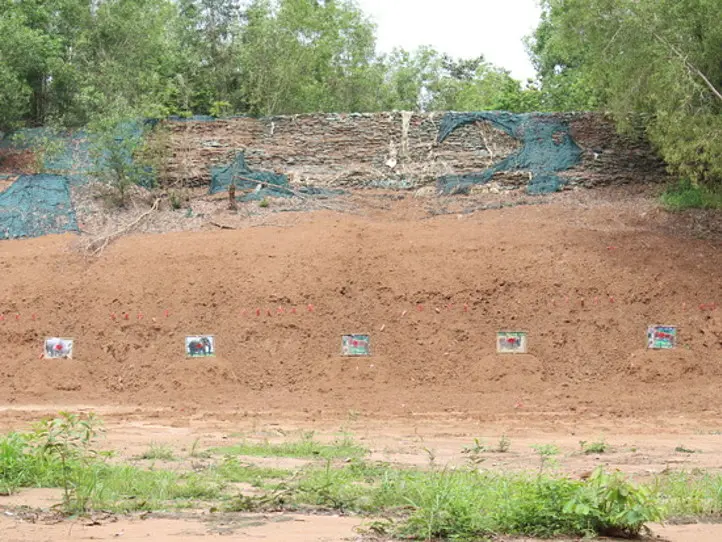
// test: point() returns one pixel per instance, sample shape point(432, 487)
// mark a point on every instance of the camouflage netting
point(238, 173)
point(547, 147)
point(270, 185)
point(36, 205)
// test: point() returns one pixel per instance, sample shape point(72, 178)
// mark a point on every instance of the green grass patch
point(22, 464)
point(127, 489)
point(690, 494)
point(598, 447)
point(458, 504)
point(231, 470)
point(305, 447)
point(158, 452)
point(685, 195)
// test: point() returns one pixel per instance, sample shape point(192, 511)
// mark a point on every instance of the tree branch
point(691, 67)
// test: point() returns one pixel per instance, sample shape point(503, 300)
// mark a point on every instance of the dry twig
point(96, 246)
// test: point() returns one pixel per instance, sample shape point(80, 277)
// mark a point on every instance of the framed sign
point(511, 342)
point(661, 337)
point(355, 345)
point(58, 348)
point(200, 346)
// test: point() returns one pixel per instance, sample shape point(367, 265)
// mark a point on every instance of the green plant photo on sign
point(355, 345)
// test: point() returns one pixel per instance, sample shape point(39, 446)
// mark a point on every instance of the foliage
point(503, 445)
point(304, 447)
point(598, 447)
point(459, 504)
point(159, 452)
point(122, 156)
point(685, 195)
point(477, 448)
point(69, 439)
point(47, 144)
point(547, 455)
point(614, 506)
point(655, 65)
point(22, 466)
point(426, 79)
point(74, 62)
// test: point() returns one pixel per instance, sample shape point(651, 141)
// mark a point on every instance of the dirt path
point(241, 528)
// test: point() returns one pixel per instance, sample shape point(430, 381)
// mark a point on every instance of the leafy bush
point(613, 506)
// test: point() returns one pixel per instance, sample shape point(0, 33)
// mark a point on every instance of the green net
point(547, 147)
point(238, 173)
point(36, 205)
point(262, 184)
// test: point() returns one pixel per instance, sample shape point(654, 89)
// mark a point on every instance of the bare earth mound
point(584, 280)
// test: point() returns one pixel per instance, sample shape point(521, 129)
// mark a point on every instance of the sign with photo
point(355, 345)
point(511, 342)
point(58, 348)
point(200, 346)
point(661, 337)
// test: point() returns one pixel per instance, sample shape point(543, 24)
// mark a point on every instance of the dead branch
point(691, 67)
point(221, 226)
point(96, 246)
point(482, 133)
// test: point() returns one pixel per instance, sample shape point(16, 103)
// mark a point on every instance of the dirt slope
point(519, 268)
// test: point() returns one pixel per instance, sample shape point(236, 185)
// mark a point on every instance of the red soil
point(514, 268)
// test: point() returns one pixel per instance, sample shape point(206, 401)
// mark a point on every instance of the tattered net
point(547, 147)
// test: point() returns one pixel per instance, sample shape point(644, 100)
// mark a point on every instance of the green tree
point(428, 80)
point(303, 55)
point(655, 65)
point(207, 33)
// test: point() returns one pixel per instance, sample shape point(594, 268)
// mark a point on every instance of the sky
point(461, 28)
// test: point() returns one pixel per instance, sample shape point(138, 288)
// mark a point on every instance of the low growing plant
point(613, 506)
point(598, 447)
point(69, 439)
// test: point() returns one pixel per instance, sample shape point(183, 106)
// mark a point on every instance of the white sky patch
point(461, 28)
